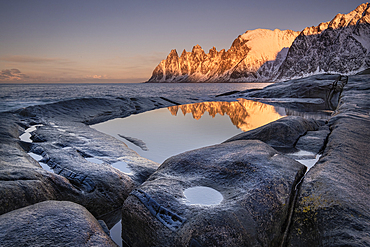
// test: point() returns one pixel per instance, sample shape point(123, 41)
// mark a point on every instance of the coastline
point(319, 217)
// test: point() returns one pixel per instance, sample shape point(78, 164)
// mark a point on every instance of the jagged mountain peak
point(350, 19)
point(341, 45)
point(183, 54)
point(341, 20)
point(197, 48)
point(173, 53)
point(245, 56)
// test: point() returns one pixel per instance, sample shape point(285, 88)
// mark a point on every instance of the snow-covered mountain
point(246, 55)
point(339, 46)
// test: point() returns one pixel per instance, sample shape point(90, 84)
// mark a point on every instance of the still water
point(162, 133)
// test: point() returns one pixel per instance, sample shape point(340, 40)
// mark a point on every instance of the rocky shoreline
point(268, 200)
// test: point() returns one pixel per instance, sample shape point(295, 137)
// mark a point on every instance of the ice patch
point(95, 160)
point(203, 196)
point(35, 156)
point(38, 157)
point(26, 136)
point(122, 166)
point(45, 167)
point(306, 158)
point(310, 162)
point(115, 233)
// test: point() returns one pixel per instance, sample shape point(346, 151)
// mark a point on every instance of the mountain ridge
point(341, 45)
point(218, 66)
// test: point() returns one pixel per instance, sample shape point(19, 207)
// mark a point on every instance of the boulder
point(282, 133)
point(333, 207)
point(52, 223)
point(257, 185)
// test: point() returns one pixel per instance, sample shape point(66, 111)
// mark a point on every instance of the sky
point(123, 41)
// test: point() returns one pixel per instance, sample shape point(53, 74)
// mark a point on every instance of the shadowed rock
point(319, 92)
point(52, 223)
point(282, 133)
point(257, 185)
point(313, 141)
point(333, 207)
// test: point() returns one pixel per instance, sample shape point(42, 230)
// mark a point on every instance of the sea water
point(15, 96)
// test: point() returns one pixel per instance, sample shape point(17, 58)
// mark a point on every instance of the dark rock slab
point(313, 94)
point(318, 86)
point(313, 141)
point(333, 207)
point(282, 133)
point(52, 223)
point(256, 182)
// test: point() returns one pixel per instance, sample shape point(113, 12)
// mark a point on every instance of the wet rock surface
point(333, 206)
point(256, 182)
point(52, 223)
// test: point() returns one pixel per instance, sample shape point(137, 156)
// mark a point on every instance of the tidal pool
point(173, 130)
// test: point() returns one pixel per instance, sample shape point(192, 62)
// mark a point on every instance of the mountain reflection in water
point(244, 114)
point(166, 132)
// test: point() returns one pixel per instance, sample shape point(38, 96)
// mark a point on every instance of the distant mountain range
point(341, 45)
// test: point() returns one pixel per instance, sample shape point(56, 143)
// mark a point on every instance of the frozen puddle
point(26, 136)
point(306, 158)
point(42, 164)
point(203, 196)
point(95, 160)
point(122, 166)
point(309, 162)
point(115, 233)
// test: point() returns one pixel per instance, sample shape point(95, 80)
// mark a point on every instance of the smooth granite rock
point(52, 223)
point(333, 207)
point(258, 186)
point(282, 133)
point(80, 158)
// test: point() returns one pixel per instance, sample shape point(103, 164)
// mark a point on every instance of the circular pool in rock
point(203, 196)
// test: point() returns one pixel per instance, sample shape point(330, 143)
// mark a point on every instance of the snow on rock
point(246, 55)
point(341, 45)
point(338, 46)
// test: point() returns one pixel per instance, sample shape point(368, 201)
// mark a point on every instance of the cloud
point(12, 75)
point(16, 76)
point(96, 77)
point(31, 59)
